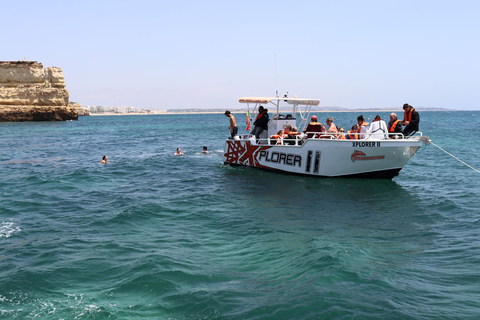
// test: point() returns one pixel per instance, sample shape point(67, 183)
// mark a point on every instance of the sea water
point(157, 236)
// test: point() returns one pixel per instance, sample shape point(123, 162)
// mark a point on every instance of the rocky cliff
point(30, 93)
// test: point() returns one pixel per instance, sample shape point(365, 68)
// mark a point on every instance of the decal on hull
point(360, 156)
point(243, 152)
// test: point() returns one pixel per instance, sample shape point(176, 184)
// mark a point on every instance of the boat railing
point(297, 141)
point(358, 136)
point(301, 138)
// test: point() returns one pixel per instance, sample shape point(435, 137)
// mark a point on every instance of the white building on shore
point(122, 110)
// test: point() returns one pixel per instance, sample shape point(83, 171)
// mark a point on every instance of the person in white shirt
point(377, 130)
point(362, 127)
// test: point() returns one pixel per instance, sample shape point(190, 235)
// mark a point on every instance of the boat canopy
point(311, 102)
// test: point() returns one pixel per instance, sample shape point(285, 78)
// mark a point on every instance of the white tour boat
point(321, 155)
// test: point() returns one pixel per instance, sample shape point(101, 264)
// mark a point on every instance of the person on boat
point(178, 153)
point(233, 124)
point(292, 136)
point(205, 149)
point(312, 127)
point(287, 135)
point(362, 126)
point(410, 121)
point(394, 126)
point(351, 134)
point(332, 128)
point(277, 138)
point(341, 134)
point(294, 131)
point(287, 130)
point(104, 159)
point(261, 122)
point(377, 129)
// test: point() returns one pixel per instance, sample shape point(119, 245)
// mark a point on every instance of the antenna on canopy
point(276, 84)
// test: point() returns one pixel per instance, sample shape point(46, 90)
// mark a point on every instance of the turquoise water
point(152, 235)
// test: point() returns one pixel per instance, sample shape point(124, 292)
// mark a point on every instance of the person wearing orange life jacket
point(341, 134)
point(287, 130)
point(278, 137)
point(261, 122)
point(287, 135)
point(362, 127)
point(291, 136)
point(394, 126)
point(313, 126)
point(410, 121)
point(351, 133)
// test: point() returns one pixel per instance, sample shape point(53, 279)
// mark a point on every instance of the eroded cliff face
point(30, 93)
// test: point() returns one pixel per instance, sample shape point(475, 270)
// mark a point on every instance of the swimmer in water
point(178, 153)
point(104, 159)
point(205, 149)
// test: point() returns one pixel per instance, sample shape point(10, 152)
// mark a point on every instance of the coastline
point(153, 114)
point(245, 111)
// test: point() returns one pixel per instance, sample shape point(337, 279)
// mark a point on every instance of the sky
point(207, 54)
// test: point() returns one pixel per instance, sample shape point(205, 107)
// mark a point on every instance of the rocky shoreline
point(28, 92)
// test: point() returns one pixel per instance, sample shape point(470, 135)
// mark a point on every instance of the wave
point(7, 229)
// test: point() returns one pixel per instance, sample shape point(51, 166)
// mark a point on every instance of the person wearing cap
point(313, 126)
point(410, 121)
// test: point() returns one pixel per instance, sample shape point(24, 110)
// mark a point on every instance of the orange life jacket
point(391, 127)
point(408, 116)
point(351, 135)
point(261, 114)
point(313, 127)
point(276, 136)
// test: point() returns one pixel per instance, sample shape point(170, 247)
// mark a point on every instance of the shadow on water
point(344, 207)
point(328, 194)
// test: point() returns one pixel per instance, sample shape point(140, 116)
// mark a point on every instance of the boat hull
point(375, 159)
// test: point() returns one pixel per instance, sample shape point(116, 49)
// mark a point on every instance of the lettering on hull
point(281, 158)
point(245, 153)
point(358, 144)
point(359, 156)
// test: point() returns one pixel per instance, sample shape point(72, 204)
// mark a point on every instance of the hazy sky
point(207, 54)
